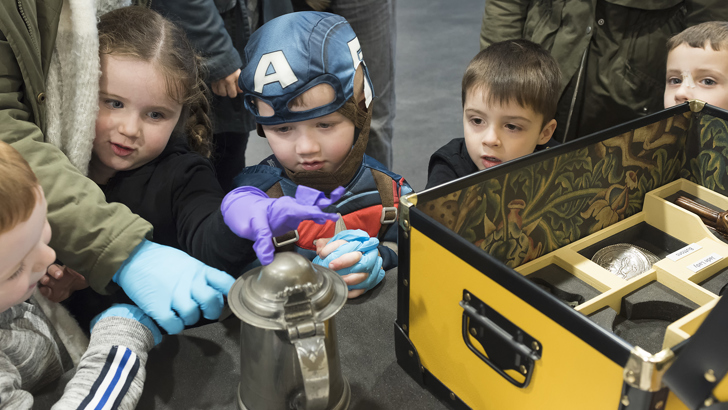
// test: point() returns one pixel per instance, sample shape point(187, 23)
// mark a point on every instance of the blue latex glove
point(370, 262)
point(163, 280)
point(250, 214)
point(129, 312)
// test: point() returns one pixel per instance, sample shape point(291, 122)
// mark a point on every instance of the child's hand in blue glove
point(130, 312)
point(354, 256)
point(171, 286)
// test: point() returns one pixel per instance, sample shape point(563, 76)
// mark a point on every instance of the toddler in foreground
point(151, 149)
point(31, 353)
point(309, 90)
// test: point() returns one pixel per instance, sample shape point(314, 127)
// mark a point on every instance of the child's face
point(697, 73)
point(498, 133)
point(318, 144)
point(136, 116)
point(25, 256)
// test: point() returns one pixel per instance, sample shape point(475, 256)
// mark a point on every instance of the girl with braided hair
point(153, 143)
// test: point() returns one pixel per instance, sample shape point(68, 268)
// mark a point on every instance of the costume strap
point(287, 241)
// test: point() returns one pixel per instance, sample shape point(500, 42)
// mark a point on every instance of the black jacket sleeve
point(439, 172)
point(201, 230)
point(448, 163)
point(205, 28)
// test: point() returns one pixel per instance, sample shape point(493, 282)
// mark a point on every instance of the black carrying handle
point(702, 362)
point(507, 346)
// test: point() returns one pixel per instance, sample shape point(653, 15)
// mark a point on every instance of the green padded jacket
point(90, 235)
point(613, 52)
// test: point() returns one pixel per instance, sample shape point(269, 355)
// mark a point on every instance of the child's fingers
point(47, 280)
point(345, 261)
point(56, 271)
point(45, 291)
point(355, 293)
point(320, 243)
point(355, 278)
point(330, 247)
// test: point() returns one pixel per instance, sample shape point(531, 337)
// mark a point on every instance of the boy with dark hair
point(111, 372)
point(697, 65)
point(509, 93)
point(309, 90)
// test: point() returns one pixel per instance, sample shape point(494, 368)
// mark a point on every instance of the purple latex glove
point(251, 214)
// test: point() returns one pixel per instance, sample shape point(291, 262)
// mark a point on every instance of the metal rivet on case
point(625, 400)
point(710, 376)
point(411, 353)
point(523, 369)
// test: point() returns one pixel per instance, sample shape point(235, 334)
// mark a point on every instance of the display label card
point(705, 262)
point(679, 254)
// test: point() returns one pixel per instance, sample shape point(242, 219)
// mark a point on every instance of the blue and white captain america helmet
point(293, 53)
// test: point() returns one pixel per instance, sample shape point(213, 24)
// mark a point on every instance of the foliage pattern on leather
point(536, 209)
point(708, 154)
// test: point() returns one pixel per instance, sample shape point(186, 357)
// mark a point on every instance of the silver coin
point(625, 260)
point(650, 256)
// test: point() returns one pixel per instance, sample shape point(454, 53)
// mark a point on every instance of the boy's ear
point(359, 96)
point(547, 132)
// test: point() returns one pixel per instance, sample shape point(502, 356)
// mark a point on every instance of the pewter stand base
point(343, 403)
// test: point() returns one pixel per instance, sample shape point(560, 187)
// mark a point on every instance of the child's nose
point(47, 254)
point(307, 144)
point(490, 137)
point(683, 93)
point(130, 126)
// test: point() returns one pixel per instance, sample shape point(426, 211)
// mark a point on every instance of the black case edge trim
point(402, 347)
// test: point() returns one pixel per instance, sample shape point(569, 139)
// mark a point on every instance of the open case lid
point(526, 208)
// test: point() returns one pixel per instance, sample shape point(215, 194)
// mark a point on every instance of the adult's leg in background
point(374, 23)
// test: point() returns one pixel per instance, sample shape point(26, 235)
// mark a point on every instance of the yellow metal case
point(476, 332)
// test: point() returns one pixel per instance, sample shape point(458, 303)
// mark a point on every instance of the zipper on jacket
point(27, 25)
point(576, 93)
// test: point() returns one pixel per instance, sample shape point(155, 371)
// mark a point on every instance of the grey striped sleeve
point(111, 373)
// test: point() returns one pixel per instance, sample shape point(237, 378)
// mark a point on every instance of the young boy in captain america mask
point(306, 83)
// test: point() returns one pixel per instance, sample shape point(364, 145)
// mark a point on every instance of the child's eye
point(282, 129)
point(513, 127)
point(674, 81)
point(17, 272)
point(114, 104)
point(325, 125)
point(708, 82)
point(156, 115)
point(477, 121)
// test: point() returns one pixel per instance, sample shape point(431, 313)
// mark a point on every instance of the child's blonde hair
point(714, 33)
point(18, 188)
point(144, 34)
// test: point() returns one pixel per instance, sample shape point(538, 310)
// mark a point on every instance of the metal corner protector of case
point(696, 105)
point(405, 202)
point(644, 370)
